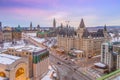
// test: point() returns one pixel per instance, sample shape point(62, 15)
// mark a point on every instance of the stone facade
point(17, 33)
point(38, 60)
point(1, 36)
point(1, 33)
point(82, 39)
point(7, 35)
point(17, 70)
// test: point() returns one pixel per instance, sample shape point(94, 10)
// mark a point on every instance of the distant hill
point(109, 28)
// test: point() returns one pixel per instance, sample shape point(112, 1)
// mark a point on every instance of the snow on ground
point(31, 34)
point(48, 76)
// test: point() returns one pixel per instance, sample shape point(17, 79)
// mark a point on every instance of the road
point(69, 67)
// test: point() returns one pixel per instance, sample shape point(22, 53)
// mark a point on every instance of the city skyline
point(94, 12)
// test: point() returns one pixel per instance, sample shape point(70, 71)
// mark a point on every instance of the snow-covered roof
point(10, 45)
point(20, 45)
point(2, 78)
point(7, 59)
point(31, 34)
point(78, 51)
point(17, 46)
point(41, 40)
point(30, 48)
point(100, 64)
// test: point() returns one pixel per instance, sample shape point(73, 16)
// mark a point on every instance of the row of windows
point(20, 54)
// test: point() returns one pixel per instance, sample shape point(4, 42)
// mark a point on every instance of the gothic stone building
point(81, 39)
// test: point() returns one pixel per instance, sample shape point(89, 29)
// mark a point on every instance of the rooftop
point(20, 45)
point(30, 48)
point(41, 40)
point(7, 59)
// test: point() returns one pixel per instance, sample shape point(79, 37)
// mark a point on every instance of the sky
point(42, 12)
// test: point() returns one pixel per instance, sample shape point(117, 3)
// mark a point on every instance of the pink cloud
point(32, 14)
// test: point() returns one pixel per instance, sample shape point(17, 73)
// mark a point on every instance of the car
point(59, 63)
point(66, 58)
point(75, 69)
point(69, 63)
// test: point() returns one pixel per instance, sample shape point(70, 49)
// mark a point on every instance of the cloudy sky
point(94, 12)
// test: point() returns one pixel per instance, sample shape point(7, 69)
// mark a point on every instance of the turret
point(81, 29)
point(81, 25)
point(31, 26)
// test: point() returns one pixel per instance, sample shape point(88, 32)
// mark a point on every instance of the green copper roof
point(40, 57)
point(116, 43)
point(42, 32)
point(46, 32)
point(18, 29)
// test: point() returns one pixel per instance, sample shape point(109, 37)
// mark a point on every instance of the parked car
point(59, 63)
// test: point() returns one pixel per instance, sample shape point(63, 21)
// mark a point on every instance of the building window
point(78, 35)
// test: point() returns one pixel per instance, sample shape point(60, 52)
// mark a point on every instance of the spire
point(54, 23)
point(30, 25)
point(105, 28)
point(82, 25)
point(0, 26)
point(61, 25)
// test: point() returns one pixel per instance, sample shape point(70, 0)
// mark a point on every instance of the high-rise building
point(110, 55)
point(106, 55)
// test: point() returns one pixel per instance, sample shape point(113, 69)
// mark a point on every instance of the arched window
point(2, 74)
point(19, 72)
